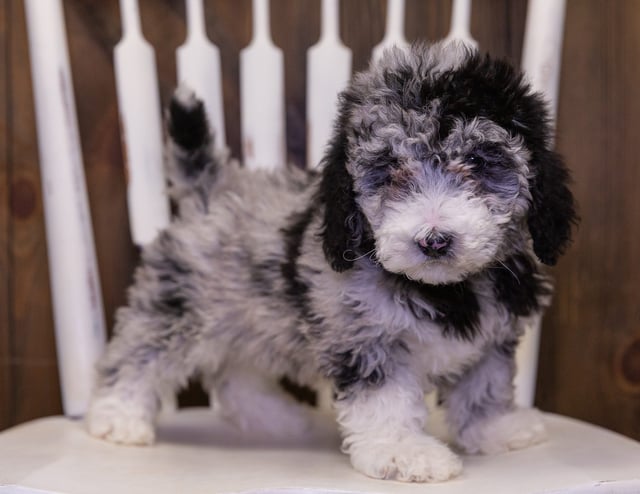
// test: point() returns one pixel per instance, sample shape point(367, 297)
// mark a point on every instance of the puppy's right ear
point(552, 212)
point(343, 224)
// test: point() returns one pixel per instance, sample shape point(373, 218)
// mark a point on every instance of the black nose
point(436, 245)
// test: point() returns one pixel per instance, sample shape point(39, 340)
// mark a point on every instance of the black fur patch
point(301, 393)
point(262, 276)
point(350, 368)
point(293, 236)
point(508, 348)
point(518, 286)
point(189, 129)
point(171, 302)
point(296, 290)
point(494, 169)
point(188, 124)
point(552, 212)
point(344, 225)
point(172, 275)
point(493, 89)
point(455, 304)
point(365, 364)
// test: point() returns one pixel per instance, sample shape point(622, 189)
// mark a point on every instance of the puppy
point(409, 263)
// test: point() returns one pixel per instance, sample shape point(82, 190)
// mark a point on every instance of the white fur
point(257, 405)
point(120, 421)
point(517, 429)
point(383, 434)
point(467, 218)
point(411, 459)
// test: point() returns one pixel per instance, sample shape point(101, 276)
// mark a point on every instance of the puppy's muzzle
point(436, 244)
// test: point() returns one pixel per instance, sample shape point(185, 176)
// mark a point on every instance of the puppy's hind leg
point(257, 404)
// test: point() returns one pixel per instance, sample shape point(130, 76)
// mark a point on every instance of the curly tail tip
point(189, 131)
point(188, 125)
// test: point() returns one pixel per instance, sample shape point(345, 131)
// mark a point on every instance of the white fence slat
point(198, 64)
point(262, 96)
point(328, 73)
point(394, 31)
point(140, 118)
point(461, 23)
point(542, 53)
point(75, 286)
point(542, 47)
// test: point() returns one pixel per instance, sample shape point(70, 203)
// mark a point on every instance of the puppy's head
point(440, 164)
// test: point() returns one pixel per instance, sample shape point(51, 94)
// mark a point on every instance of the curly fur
point(331, 276)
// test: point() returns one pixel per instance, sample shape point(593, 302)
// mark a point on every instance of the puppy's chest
point(442, 338)
point(434, 355)
point(435, 351)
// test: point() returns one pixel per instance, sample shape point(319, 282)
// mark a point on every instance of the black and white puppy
point(409, 263)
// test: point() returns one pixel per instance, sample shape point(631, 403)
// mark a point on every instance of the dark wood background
point(590, 355)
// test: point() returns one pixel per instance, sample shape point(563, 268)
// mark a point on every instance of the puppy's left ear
point(552, 212)
point(343, 225)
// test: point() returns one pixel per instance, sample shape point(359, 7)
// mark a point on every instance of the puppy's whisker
point(362, 256)
point(508, 269)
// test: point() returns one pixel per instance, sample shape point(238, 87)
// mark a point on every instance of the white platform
point(197, 452)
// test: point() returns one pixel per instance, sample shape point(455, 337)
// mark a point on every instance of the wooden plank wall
point(590, 358)
point(5, 384)
point(28, 360)
point(591, 341)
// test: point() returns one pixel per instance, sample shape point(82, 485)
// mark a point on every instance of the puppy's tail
point(192, 165)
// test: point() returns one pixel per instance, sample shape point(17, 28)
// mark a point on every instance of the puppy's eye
point(476, 160)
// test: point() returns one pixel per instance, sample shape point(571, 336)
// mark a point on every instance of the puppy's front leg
point(382, 429)
point(481, 410)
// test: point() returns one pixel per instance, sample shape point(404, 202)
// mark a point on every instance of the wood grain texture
point(93, 31)
point(229, 27)
point(427, 19)
point(294, 38)
point(590, 359)
point(5, 335)
point(362, 24)
point(32, 360)
point(498, 26)
point(590, 331)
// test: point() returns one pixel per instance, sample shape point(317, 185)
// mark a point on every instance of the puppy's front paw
point(513, 430)
point(419, 459)
point(113, 420)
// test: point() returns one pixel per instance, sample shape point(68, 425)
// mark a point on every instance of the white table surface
point(197, 452)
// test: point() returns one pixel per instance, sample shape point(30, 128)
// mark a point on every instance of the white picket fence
point(78, 311)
